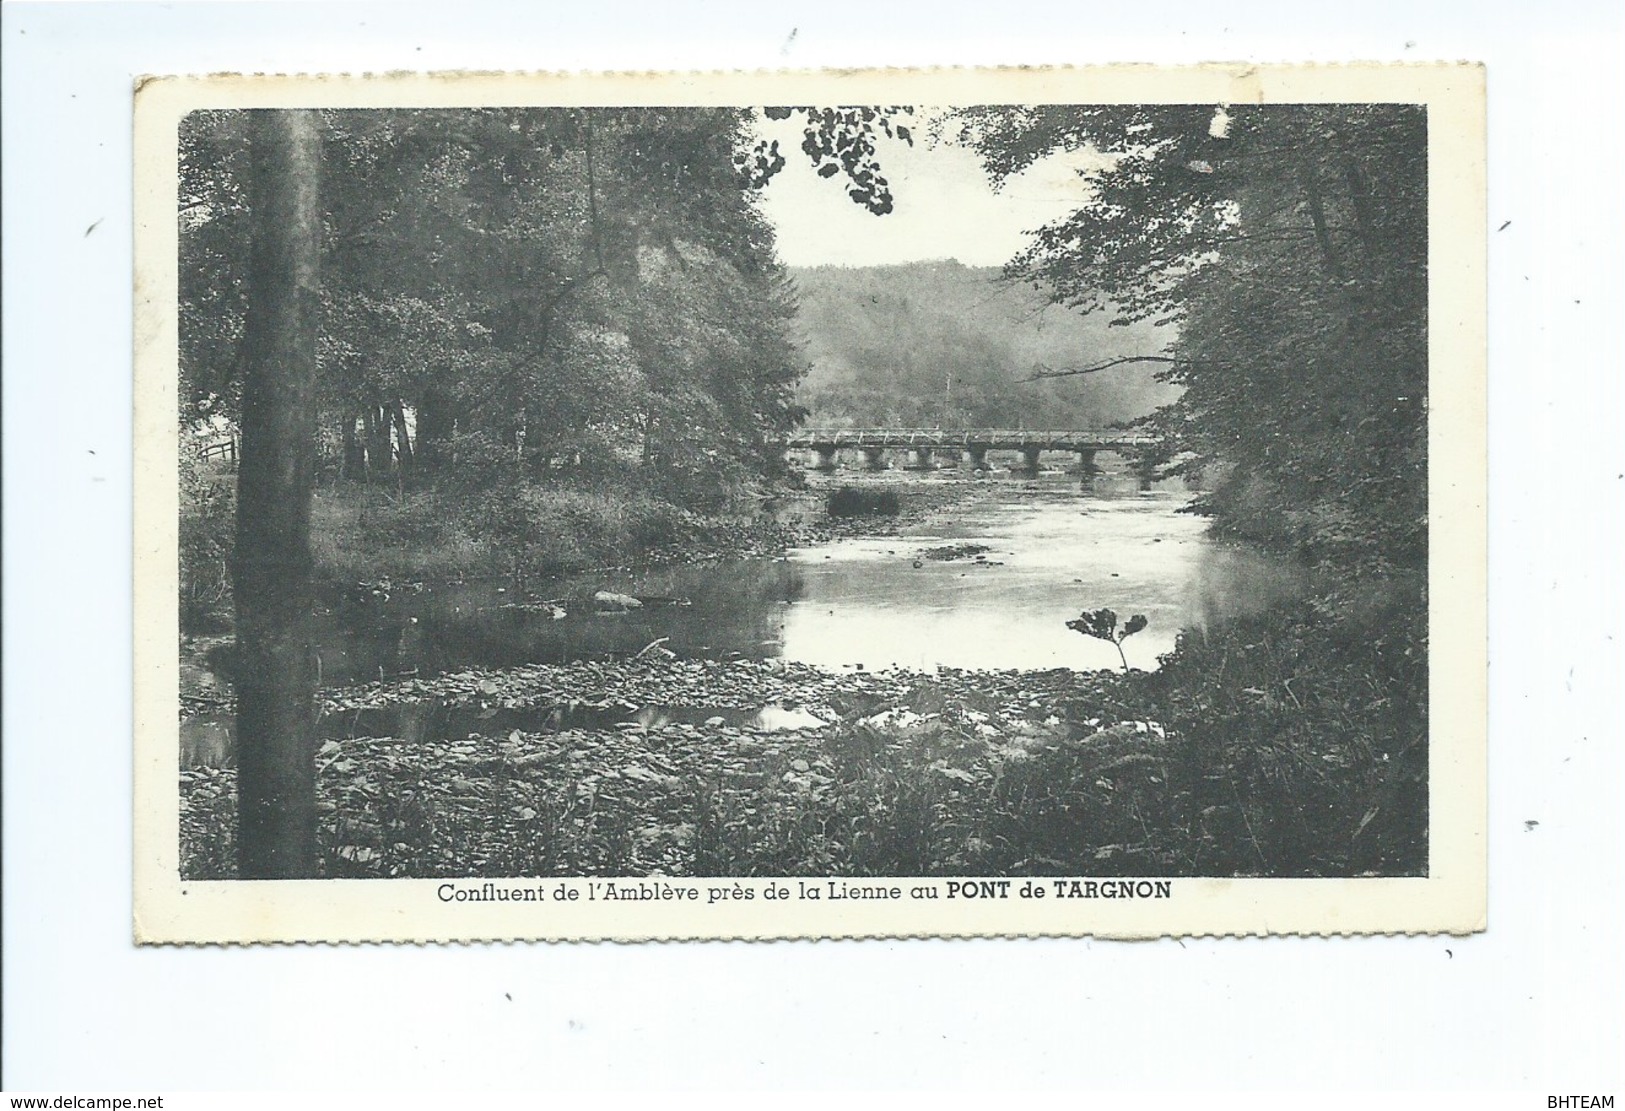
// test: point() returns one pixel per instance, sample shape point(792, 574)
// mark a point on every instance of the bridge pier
point(928, 448)
point(922, 459)
point(1146, 474)
point(1087, 469)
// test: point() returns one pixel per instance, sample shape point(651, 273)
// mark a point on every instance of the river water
point(1051, 551)
point(1038, 552)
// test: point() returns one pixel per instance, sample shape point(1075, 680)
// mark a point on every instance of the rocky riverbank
point(886, 773)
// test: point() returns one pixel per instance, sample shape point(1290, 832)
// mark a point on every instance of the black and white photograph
point(650, 495)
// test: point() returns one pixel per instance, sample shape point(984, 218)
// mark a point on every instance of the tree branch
point(1073, 372)
point(1317, 214)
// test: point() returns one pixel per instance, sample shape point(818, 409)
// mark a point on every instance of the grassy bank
point(361, 533)
point(1307, 726)
point(366, 533)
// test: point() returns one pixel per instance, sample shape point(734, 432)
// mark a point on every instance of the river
point(1035, 554)
point(1051, 551)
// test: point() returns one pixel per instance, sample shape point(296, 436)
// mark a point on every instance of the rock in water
point(607, 601)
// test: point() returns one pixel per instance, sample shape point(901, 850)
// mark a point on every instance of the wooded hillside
point(940, 343)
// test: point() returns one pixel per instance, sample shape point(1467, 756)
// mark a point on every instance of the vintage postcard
point(810, 505)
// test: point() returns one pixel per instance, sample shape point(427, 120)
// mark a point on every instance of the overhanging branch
point(1045, 372)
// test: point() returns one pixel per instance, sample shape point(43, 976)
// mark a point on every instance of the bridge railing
point(962, 437)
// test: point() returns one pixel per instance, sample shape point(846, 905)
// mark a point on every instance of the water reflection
point(871, 603)
point(1052, 554)
point(714, 609)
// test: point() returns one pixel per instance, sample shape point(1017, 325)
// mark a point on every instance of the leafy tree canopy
point(1289, 246)
point(589, 284)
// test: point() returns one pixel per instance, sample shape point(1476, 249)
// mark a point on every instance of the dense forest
point(940, 344)
point(590, 290)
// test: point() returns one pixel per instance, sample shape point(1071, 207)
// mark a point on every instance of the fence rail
point(219, 449)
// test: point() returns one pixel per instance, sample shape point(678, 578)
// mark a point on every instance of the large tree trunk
point(436, 421)
point(276, 679)
point(355, 458)
point(376, 426)
point(397, 416)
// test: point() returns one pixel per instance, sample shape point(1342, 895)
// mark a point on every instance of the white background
point(1534, 1003)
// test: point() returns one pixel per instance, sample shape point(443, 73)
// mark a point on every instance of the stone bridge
point(922, 444)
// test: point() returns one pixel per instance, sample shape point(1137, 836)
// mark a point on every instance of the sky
point(945, 207)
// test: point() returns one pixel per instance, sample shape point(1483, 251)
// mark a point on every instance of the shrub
point(850, 501)
point(1304, 738)
point(208, 522)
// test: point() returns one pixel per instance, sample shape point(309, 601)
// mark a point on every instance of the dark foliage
point(853, 501)
point(1101, 624)
point(1288, 245)
point(587, 288)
